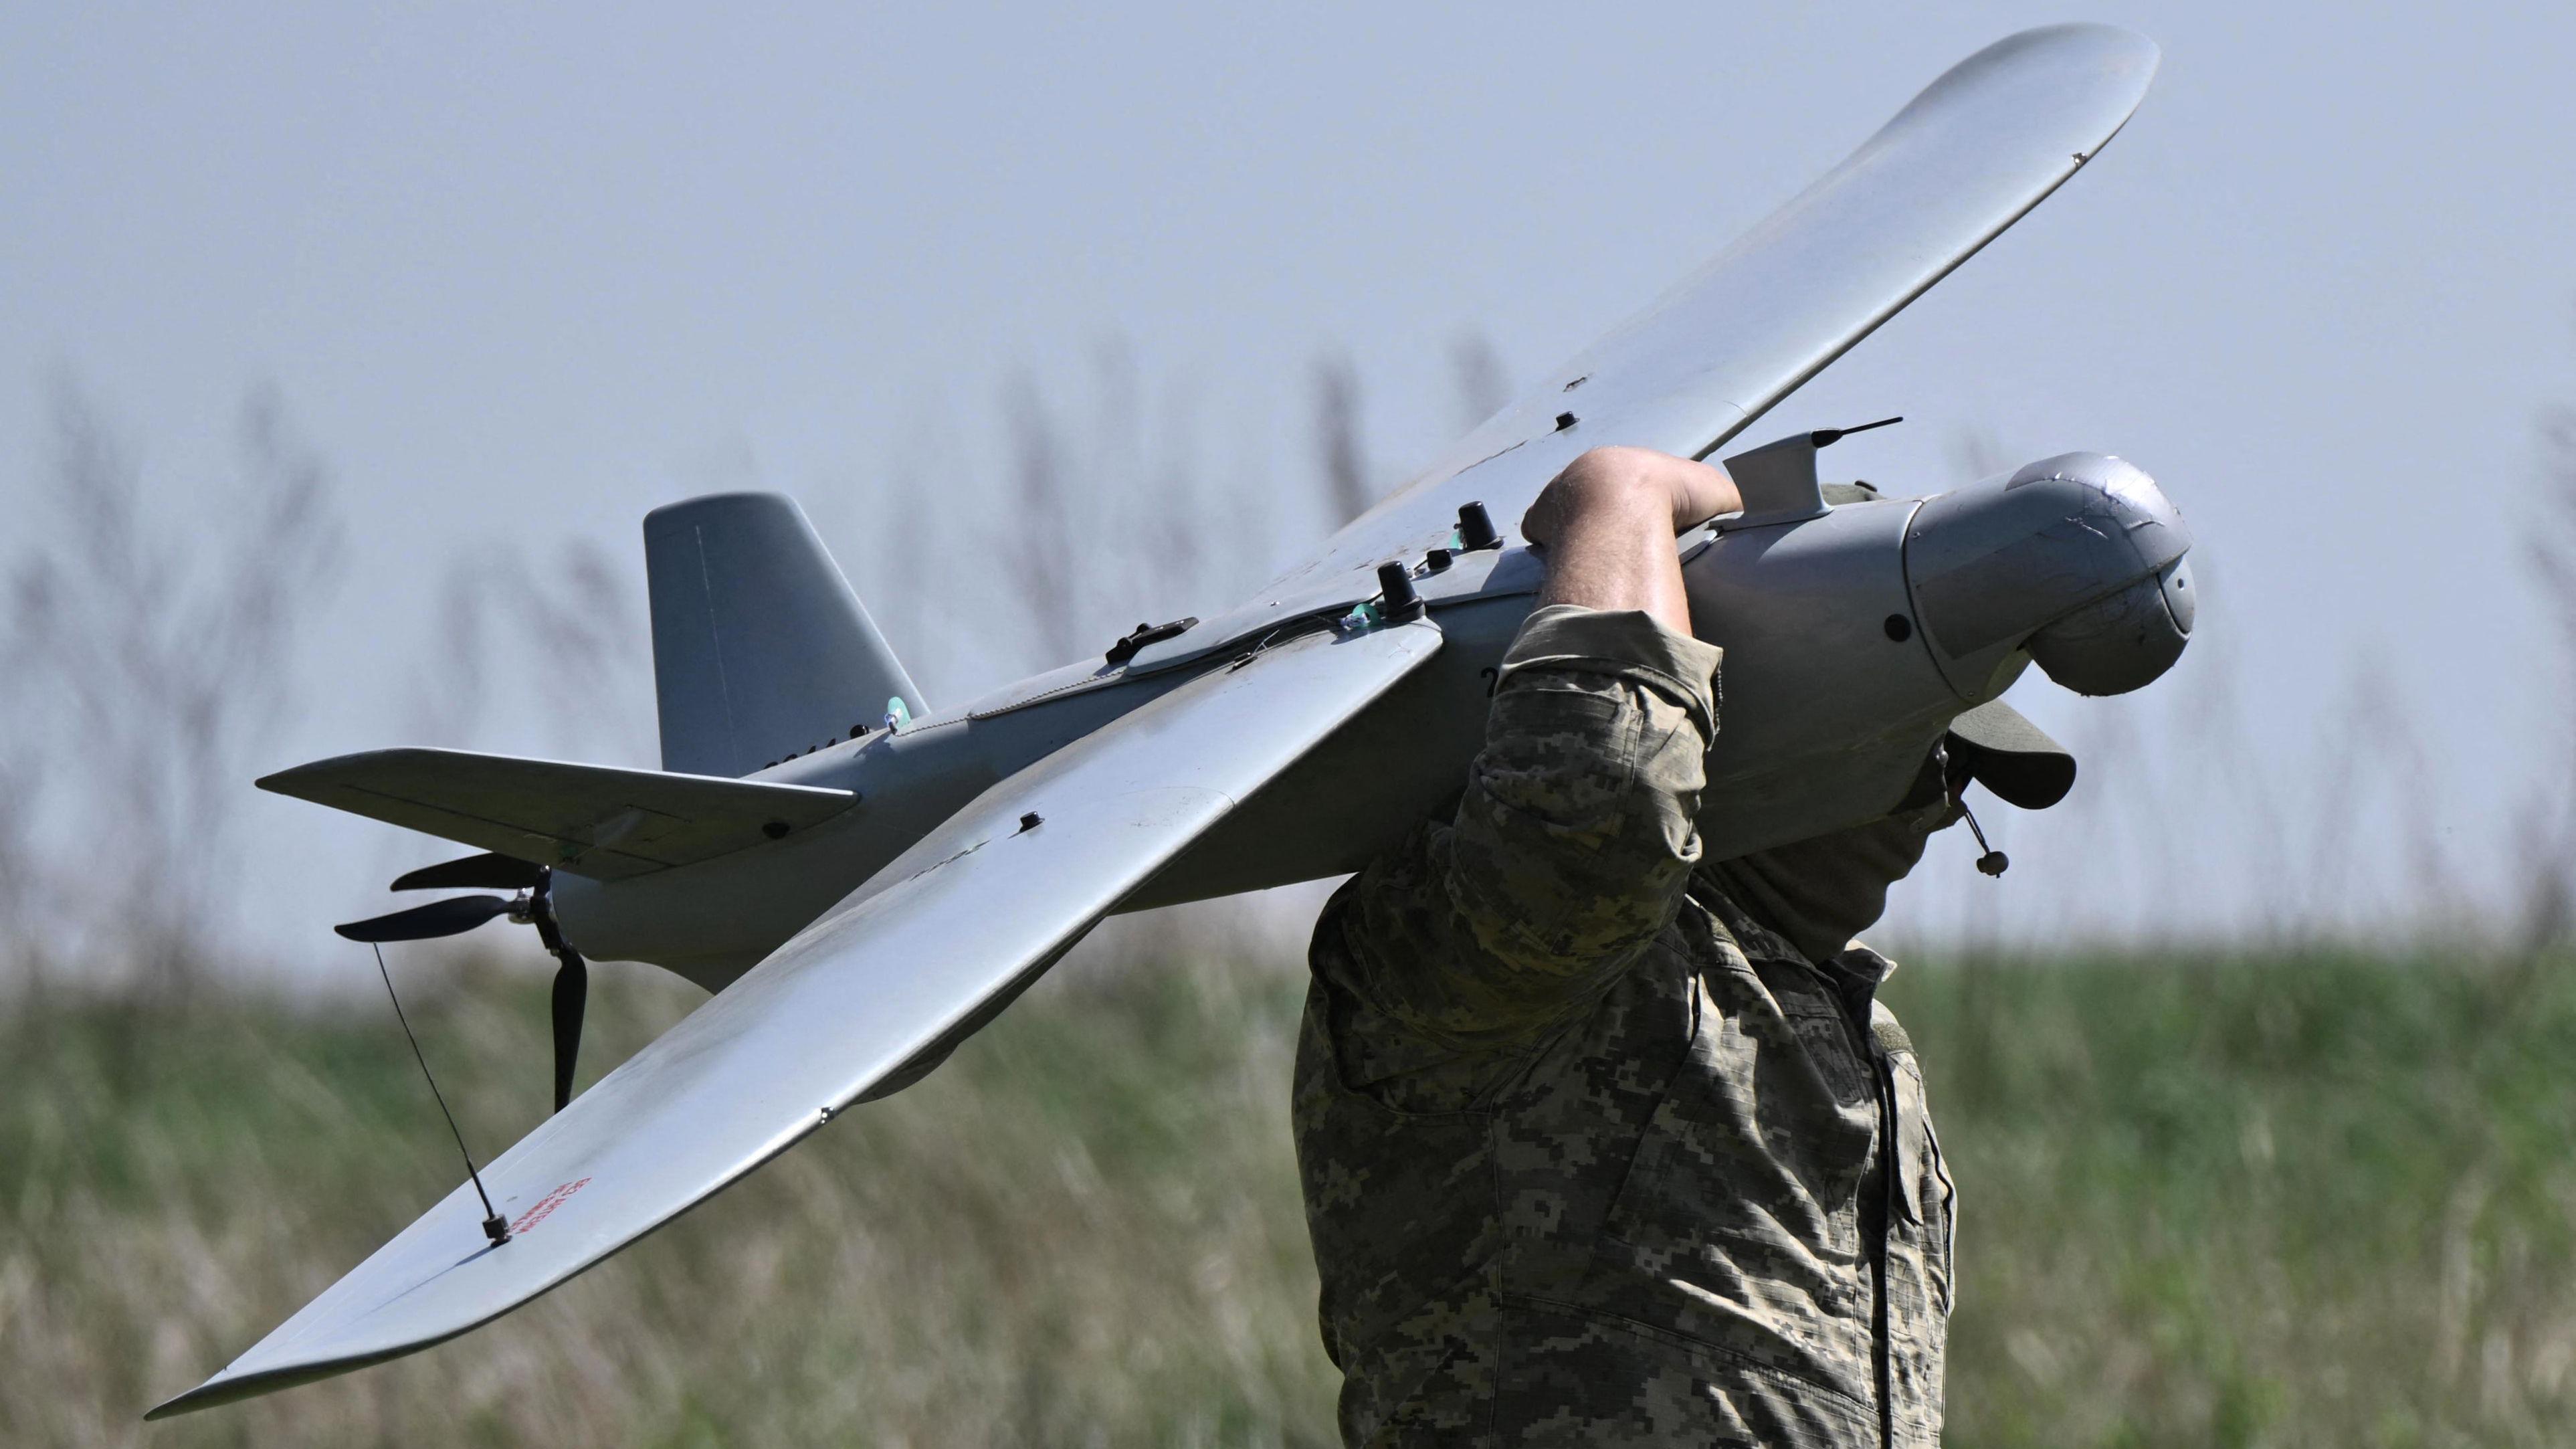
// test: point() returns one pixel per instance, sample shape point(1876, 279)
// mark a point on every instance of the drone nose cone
point(2124, 642)
point(2150, 519)
point(2074, 562)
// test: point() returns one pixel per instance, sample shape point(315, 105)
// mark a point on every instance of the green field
point(2314, 1200)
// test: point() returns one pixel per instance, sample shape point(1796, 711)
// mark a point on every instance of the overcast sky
point(531, 272)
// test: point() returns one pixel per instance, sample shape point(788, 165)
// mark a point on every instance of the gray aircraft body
point(1854, 633)
point(863, 881)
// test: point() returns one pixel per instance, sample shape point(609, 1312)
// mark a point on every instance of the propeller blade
point(491, 872)
point(421, 923)
point(572, 992)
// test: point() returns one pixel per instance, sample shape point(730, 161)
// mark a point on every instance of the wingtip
point(2141, 51)
point(293, 779)
point(2147, 53)
point(204, 1396)
point(2116, 45)
point(229, 1387)
point(2103, 29)
point(232, 1385)
point(306, 781)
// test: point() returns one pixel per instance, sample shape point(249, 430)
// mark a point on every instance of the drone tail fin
point(760, 648)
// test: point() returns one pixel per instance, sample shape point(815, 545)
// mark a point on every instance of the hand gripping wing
point(1967, 158)
point(937, 939)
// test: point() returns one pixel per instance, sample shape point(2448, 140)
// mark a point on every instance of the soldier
point(1601, 1142)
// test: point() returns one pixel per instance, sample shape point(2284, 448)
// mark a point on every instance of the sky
point(519, 276)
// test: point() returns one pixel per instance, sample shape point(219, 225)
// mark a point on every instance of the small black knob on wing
point(1476, 527)
point(1397, 602)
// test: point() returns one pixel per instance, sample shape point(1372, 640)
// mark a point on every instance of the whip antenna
point(493, 1226)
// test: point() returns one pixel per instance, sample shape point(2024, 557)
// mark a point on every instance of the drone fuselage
point(1853, 635)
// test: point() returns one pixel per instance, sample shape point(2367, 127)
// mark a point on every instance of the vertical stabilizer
point(760, 649)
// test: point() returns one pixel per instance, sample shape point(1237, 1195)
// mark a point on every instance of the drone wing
point(1967, 158)
point(914, 959)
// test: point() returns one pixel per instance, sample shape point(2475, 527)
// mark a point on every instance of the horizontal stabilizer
point(593, 820)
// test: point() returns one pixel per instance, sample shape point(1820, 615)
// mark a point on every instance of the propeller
point(456, 915)
point(452, 917)
point(491, 872)
point(571, 995)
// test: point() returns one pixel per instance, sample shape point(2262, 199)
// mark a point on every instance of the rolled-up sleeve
point(1571, 847)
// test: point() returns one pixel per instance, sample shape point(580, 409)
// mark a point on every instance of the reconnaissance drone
point(862, 881)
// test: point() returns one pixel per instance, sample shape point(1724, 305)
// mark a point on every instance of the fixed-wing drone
point(863, 881)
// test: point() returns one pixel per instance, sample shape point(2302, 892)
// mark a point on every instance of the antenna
point(494, 1226)
point(1827, 437)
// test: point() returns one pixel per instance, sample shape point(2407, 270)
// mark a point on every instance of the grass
point(2312, 1200)
point(1084, 1229)
point(2315, 1200)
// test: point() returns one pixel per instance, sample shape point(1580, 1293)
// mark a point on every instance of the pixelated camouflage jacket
point(1590, 1156)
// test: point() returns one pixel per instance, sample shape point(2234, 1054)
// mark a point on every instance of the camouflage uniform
point(1589, 1155)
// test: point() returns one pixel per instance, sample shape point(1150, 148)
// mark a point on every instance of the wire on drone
point(494, 1226)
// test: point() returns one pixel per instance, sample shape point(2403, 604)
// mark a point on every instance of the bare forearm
point(1607, 524)
point(1617, 553)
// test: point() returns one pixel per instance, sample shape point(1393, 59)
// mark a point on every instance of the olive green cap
point(2009, 755)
